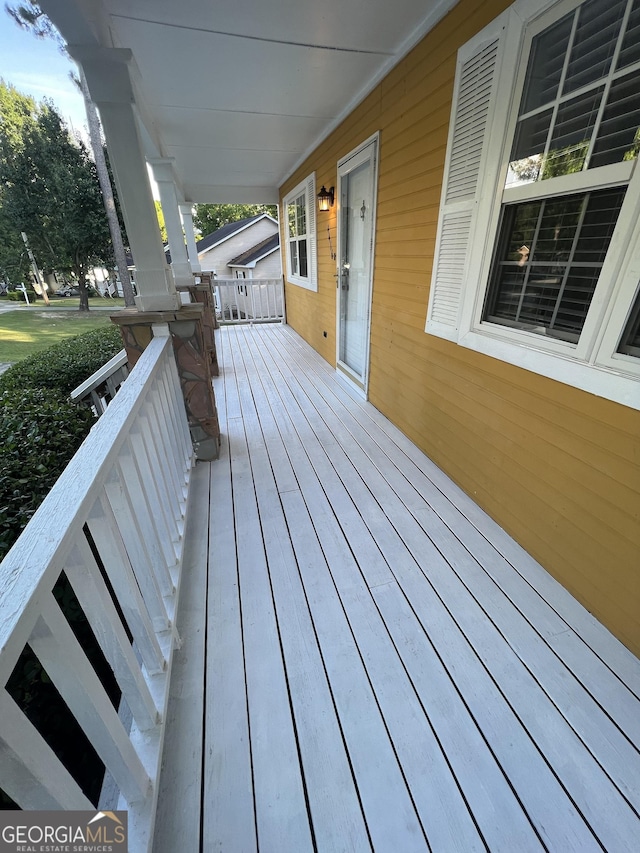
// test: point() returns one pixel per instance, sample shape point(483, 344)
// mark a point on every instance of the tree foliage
point(161, 225)
point(210, 217)
point(29, 16)
point(49, 188)
point(16, 112)
point(14, 262)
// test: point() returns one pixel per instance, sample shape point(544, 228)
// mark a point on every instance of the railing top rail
point(246, 281)
point(97, 378)
point(42, 552)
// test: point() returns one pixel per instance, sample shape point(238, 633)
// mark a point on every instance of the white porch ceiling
point(238, 92)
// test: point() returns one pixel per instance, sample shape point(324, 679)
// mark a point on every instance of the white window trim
point(593, 365)
point(308, 187)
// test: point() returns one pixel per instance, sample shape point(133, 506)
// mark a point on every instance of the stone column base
point(201, 294)
point(193, 362)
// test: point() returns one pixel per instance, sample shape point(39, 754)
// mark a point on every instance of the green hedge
point(66, 365)
point(18, 296)
point(40, 429)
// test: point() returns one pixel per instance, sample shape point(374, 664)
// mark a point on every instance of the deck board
point(228, 820)
point(185, 711)
point(403, 451)
point(385, 669)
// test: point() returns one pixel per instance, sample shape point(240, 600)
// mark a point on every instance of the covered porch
point(367, 660)
point(323, 643)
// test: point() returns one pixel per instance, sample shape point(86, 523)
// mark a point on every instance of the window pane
point(540, 296)
point(293, 249)
point(631, 43)
point(598, 225)
point(531, 135)
point(574, 302)
point(549, 257)
point(557, 232)
point(301, 216)
point(571, 135)
point(521, 231)
point(565, 131)
point(291, 219)
point(508, 292)
point(302, 251)
point(630, 342)
point(619, 134)
point(546, 61)
point(595, 42)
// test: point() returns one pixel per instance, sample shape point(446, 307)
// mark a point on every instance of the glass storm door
point(356, 220)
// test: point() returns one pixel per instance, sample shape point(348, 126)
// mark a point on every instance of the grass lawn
point(28, 330)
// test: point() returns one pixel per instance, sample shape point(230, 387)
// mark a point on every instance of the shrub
point(40, 427)
point(41, 430)
point(65, 365)
point(18, 296)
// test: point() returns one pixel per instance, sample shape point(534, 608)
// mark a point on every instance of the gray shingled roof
point(225, 232)
point(256, 252)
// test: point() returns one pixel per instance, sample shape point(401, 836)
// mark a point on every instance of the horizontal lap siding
point(558, 468)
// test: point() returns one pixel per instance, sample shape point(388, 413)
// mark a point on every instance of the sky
point(37, 68)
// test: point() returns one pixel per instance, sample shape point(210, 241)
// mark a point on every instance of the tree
point(210, 217)
point(16, 111)
point(161, 225)
point(50, 190)
point(30, 17)
point(14, 262)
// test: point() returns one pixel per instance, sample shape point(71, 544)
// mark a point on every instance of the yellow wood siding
point(558, 468)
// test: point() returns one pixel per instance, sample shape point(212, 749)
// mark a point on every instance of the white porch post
point(163, 175)
point(108, 77)
point(192, 249)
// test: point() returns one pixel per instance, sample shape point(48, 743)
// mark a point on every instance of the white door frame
point(369, 149)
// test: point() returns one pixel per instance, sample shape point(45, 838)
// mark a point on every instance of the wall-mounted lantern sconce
point(325, 198)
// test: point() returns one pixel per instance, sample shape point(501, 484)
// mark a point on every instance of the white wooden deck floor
point(369, 662)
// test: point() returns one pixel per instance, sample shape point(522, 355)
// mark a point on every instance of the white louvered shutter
point(311, 232)
point(471, 116)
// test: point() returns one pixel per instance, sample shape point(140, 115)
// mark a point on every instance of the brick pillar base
point(193, 362)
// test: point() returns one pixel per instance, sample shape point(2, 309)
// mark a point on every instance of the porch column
point(163, 175)
point(108, 76)
point(194, 366)
point(189, 230)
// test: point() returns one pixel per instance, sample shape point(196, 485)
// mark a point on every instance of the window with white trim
point(538, 248)
point(300, 243)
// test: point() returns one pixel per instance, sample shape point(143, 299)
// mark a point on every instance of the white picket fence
point(118, 508)
point(246, 300)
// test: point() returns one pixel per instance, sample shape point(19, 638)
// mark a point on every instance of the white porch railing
point(117, 512)
point(247, 300)
point(101, 387)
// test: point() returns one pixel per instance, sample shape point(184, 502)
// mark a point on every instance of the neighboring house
point(489, 184)
point(261, 261)
point(245, 247)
